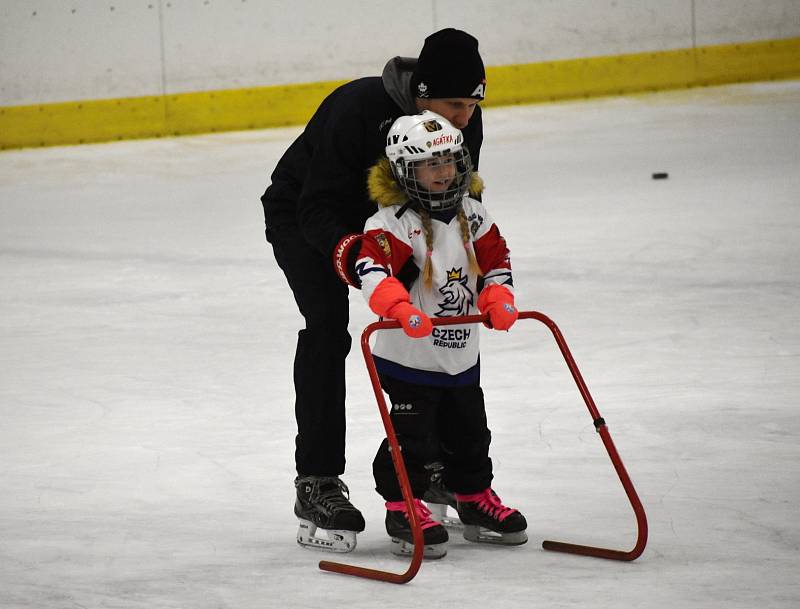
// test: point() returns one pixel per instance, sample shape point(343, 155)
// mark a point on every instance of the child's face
point(436, 174)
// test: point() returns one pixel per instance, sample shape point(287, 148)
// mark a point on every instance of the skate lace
point(489, 503)
point(331, 493)
point(423, 513)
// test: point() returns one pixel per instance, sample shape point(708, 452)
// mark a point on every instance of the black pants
point(322, 347)
point(446, 424)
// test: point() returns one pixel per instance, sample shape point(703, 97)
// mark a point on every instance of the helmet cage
point(405, 172)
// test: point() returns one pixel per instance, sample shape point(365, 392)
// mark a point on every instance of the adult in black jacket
point(315, 209)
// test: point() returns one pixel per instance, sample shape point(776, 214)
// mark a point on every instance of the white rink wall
point(57, 50)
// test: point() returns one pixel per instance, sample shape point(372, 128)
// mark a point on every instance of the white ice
point(147, 337)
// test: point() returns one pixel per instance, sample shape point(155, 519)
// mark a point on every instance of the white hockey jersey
point(449, 356)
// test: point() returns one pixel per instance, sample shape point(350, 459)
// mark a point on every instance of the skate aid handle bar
point(397, 459)
point(405, 486)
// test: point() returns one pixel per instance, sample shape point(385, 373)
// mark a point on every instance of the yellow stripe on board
point(619, 74)
point(160, 116)
point(262, 107)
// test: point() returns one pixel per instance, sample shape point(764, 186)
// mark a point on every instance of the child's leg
point(468, 471)
point(465, 439)
point(413, 412)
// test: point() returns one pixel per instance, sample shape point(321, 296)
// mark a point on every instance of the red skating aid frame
point(405, 486)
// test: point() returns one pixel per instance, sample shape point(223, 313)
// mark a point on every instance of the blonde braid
point(474, 267)
point(427, 270)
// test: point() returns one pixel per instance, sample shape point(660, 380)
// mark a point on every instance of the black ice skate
point(399, 529)
point(487, 520)
point(323, 504)
point(439, 498)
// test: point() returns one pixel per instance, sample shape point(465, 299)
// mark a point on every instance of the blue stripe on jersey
point(470, 376)
point(361, 269)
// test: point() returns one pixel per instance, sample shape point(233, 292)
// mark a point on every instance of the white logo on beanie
point(479, 91)
point(422, 90)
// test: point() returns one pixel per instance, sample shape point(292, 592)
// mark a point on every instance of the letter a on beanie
point(449, 65)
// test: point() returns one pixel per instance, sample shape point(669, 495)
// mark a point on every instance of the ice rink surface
point(147, 337)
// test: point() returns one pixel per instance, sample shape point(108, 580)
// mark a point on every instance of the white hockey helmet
point(418, 139)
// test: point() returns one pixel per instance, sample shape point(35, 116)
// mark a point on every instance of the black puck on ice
point(661, 175)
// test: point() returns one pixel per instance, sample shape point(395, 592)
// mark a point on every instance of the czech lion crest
point(458, 298)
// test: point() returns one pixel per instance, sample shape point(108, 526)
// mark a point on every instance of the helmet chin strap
point(403, 208)
point(415, 204)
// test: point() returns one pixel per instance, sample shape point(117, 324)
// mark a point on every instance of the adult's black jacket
point(320, 183)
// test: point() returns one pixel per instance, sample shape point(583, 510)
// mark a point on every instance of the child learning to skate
point(432, 250)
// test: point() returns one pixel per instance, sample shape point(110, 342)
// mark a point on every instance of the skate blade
point(431, 552)
point(478, 534)
point(439, 512)
point(330, 541)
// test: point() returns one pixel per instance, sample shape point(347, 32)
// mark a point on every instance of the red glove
point(391, 300)
point(498, 302)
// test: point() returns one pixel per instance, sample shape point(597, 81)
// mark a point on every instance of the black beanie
point(449, 65)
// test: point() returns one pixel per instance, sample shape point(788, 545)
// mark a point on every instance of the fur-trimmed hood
point(385, 191)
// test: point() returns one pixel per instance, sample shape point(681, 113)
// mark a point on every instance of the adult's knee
point(322, 339)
